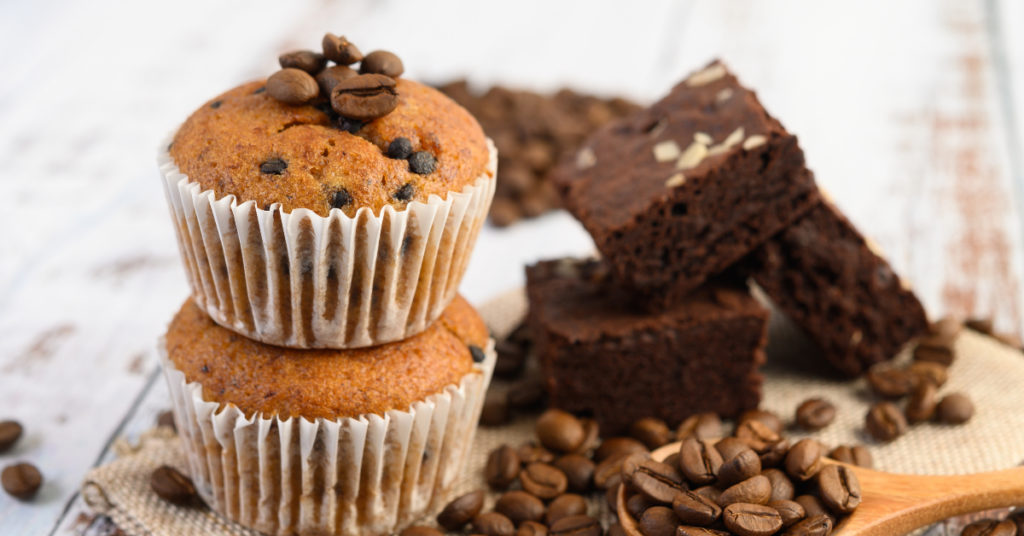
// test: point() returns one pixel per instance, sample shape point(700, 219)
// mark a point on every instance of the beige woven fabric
point(991, 373)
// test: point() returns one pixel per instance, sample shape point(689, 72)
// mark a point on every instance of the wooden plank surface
point(906, 110)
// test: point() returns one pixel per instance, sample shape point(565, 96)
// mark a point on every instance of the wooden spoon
point(894, 504)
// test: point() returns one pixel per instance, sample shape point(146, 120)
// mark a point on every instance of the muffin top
point(247, 144)
point(331, 384)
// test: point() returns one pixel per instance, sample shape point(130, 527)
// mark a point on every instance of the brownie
point(833, 283)
point(680, 191)
point(617, 363)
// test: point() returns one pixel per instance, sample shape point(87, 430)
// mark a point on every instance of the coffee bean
point(814, 507)
point(658, 481)
point(927, 370)
point(615, 446)
point(364, 97)
point(329, 77)
point(755, 490)
point(339, 50)
point(790, 511)
point(990, 527)
point(530, 453)
point(658, 521)
point(422, 163)
point(21, 480)
point(493, 524)
point(559, 430)
point(862, 457)
point(730, 446)
point(405, 193)
point(564, 506)
point(461, 510)
point(292, 86)
point(578, 469)
point(341, 199)
point(954, 408)
point(839, 488)
point(888, 381)
point(815, 414)
point(756, 435)
point(611, 495)
point(940, 345)
point(782, 486)
point(10, 432)
point(921, 405)
point(420, 530)
point(885, 422)
point(767, 418)
point(819, 525)
point(172, 486)
point(543, 480)
point(751, 519)
point(695, 509)
point(607, 473)
point(592, 432)
point(946, 326)
point(615, 529)
point(775, 454)
point(980, 324)
point(804, 459)
point(382, 62)
point(527, 394)
point(699, 461)
point(576, 525)
point(700, 426)
point(304, 60)
point(399, 148)
point(685, 530)
point(502, 467)
point(710, 492)
point(532, 528)
point(520, 506)
point(1017, 517)
point(740, 467)
point(651, 431)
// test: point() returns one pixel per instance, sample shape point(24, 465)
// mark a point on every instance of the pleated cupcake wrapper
point(303, 280)
point(366, 475)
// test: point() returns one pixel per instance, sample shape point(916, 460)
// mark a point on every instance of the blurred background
point(909, 112)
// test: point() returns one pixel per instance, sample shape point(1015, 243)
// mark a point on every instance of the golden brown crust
point(330, 384)
point(223, 143)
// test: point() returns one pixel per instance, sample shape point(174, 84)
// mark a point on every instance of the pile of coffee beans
point(532, 133)
point(20, 480)
point(1013, 525)
point(526, 394)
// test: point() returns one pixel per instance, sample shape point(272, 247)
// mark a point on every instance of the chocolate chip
point(477, 353)
point(273, 166)
point(21, 480)
point(349, 125)
point(259, 90)
point(364, 97)
point(341, 199)
point(382, 62)
point(405, 193)
point(10, 431)
point(399, 148)
point(216, 104)
point(422, 163)
point(329, 77)
point(292, 86)
point(339, 50)
point(305, 60)
point(171, 485)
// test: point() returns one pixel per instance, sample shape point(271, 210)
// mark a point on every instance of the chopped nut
point(692, 156)
point(856, 337)
point(585, 158)
point(734, 138)
point(723, 95)
point(706, 76)
point(666, 150)
point(756, 140)
point(703, 137)
point(676, 180)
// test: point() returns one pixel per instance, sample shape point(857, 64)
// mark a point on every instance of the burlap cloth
point(990, 372)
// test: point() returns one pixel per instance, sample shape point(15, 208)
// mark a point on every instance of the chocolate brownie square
point(617, 363)
point(833, 283)
point(682, 190)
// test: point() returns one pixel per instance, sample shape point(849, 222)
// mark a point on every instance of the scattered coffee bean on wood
point(364, 97)
point(292, 86)
point(955, 408)
point(461, 510)
point(382, 62)
point(502, 467)
point(885, 422)
point(559, 431)
point(520, 506)
point(304, 60)
point(399, 148)
point(815, 414)
point(172, 486)
point(21, 480)
point(543, 480)
point(339, 50)
point(422, 163)
point(10, 432)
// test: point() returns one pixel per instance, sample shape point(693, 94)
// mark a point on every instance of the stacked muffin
point(325, 376)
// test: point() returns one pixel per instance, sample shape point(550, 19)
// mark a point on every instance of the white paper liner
point(367, 475)
point(303, 280)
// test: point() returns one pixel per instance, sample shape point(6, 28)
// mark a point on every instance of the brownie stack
point(687, 200)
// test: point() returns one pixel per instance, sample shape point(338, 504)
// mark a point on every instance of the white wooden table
point(910, 112)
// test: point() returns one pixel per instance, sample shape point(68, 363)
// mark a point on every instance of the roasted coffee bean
point(422, 163)
point(611, 495)
point(529, 453)
point(700, 426)
point(339, 50)
point(593, 436)
point(172, 486)
point(730, 446)
point(563, 506)
point(615, 529)
point(420, 530)
point(525, 395)
point(1017, 516)
point(658, 481)
point(699, 461)
point(273, 166)
point(495, 411)
point(815, 414)
point(980, 324)
point(329, 77)
point(579, 471)
point(685, 530)
point(21, 480)
point(711, 492)
point(888, 381)
point(341, 199)
point(695, 509)
point(990, 527)
point(543, 480)
point(292, 86)
point(651, 431)
point(304, 60)
point(751, 519)
point(658, 521)
point(947, 326)
point(814, 507)
point(576, 525)
point(755, 490)
point(493, 524)
point(164, 418)
point(775, 454)
point(954, 408)
point(804, 460)
point(819, 525)
point(857, 455)
point(790, 511)
point(885, 422)
point(767, 418)
point(927, 370)
point(382, 62)
point(461, 510)
point(839, 488)
point(364, 97)
point(938, 348)
point(637, 503)
point(399, 148)
point(502, 467)
point(756, 435)
point(10, 432)
point(740, 467)
point(559, 431)
point(782, 486)
point(922, 402)
point(520, 506)
point(615, 446)
point(532, 528)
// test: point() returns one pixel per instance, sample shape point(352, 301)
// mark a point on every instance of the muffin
point(358, 441)
point(304, 228)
